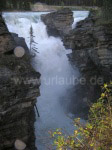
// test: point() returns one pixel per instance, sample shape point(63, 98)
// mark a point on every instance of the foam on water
point(78, 16)
point(55, 69)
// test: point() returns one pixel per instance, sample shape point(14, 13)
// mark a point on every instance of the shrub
point(96, 134)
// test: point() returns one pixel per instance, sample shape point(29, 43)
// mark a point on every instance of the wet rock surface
point(19, 88)
point(91, 45)
point(6, 41)
point(20, 41)
point(59, 22)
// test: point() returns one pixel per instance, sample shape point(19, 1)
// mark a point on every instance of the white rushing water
point(56, 72)
point(78, 16)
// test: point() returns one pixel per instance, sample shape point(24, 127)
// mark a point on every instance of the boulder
point(59, 22)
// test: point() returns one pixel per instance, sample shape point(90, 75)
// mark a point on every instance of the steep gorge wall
point(59, 22)
point(18, 91)
point(91, 45)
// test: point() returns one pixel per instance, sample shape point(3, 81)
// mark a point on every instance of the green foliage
point(96, 134)
point(62, 3)
point(106, 10)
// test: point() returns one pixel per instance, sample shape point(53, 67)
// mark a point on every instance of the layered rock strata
point(19, 88)
point(91, 45)
point(59, 22)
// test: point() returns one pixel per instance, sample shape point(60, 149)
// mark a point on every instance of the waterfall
point(78, 16)
point(56, 74)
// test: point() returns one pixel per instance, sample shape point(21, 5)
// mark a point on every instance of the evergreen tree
point(33, 44)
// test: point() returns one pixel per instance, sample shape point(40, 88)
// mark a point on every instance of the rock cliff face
point(58, 23)
point(91, 43)
point(20, 41)
point(6, 41)
point(18, 91)
point(91, 46)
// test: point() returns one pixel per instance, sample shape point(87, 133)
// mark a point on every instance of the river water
point(56, 74)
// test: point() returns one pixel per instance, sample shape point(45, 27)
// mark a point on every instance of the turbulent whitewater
point(56, 74)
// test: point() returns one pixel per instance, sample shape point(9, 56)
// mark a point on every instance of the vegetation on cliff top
point(25, 4)
point(105, 5)
point(96, 134)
